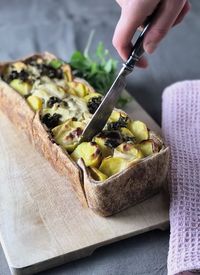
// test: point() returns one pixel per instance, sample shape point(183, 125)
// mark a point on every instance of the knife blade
point(103, 112)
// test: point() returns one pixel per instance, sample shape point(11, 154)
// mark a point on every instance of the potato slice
point(20, 86)
point(67, 72)
point(78, 89)
point(128, 151)
point(43, 95)
point(139, 130)
point(113, 165)
point(127, 135)
point(97, 174)
point(68, 134)
point(35, 102)
point(116, 114)
point(106, 151)
point(126, 132)
point(89, 152)
point(148, 147)
point(92, 95)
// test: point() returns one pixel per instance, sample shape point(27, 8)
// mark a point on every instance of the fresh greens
point(99, 70)
point(56, 63)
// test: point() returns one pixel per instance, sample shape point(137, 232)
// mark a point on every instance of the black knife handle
point(137, 52)
point(138, 49)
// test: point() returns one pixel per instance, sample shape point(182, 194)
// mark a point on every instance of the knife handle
point(138, 49)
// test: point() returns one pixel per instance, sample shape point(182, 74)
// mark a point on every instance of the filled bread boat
point(123, 165)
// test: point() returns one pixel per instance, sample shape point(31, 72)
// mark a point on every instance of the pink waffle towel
point(181, 128)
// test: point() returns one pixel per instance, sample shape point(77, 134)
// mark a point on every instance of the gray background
point(63, 26)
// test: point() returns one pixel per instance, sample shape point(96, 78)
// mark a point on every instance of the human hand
point(133, 14)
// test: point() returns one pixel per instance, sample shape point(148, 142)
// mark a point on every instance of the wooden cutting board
point(42, 223)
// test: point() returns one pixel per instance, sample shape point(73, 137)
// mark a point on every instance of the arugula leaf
point(99, 70)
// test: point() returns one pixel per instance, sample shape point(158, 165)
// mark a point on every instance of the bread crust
point(134, 184)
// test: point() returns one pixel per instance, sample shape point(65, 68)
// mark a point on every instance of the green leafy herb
point(56, 63)
point(99, 70)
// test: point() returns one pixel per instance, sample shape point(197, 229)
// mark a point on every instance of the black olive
point(51, 121)
point(94, 103)
point(23, 75)
point(113, 138)
point(13, 75)
point(47, 70)
point(110, 134)
point(112, 143)
point(122, 122)
point(52, 100)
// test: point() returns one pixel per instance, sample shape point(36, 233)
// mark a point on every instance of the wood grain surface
point(42, 223)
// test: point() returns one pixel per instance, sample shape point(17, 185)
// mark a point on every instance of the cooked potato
point(68, 134)
point(113, 165)
point(89, 152)
point(20, 86)
point(97, 174)
point(127, 134)
point(148, 147)
point(35, 102)
point(42, 94)
point(92, 95)
point(78, 89)
point(106, 151)
point(128, 151)
point(115, 115)
point(139, 130)
point(67, 72)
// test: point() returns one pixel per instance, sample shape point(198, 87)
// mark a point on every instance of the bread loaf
point(123, 165)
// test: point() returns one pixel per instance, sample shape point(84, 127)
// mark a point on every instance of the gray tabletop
point(63, 26)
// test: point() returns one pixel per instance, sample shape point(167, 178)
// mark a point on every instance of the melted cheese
point(75, 108)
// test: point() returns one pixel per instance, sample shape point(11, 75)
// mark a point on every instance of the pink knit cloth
point(181, 128)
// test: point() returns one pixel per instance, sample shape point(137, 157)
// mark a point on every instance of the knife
point(100, 117)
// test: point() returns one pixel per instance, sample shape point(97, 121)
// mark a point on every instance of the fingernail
point(150, 47)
